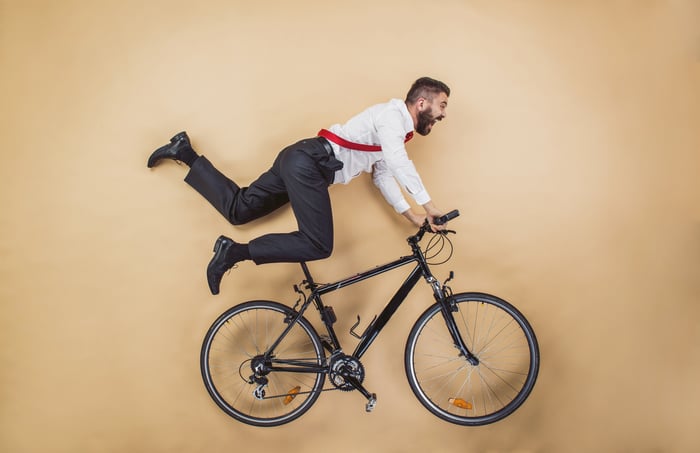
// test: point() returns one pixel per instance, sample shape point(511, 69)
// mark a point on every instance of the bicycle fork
point(447, 308)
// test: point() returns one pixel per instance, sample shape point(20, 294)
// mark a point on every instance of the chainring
point(344, 366)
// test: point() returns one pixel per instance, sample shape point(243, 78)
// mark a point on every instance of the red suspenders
point(330, 136)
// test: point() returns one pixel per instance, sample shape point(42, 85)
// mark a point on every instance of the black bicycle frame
point(383, 318)
point(371, 332)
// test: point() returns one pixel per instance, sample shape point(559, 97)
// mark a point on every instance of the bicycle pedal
point(371, 403)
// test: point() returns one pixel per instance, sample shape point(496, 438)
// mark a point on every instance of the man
point(372, 141)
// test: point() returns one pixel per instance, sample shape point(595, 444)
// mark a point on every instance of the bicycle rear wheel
point(457, 391)
point(234, 348)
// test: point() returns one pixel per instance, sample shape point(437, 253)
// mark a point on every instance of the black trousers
point(300, 176)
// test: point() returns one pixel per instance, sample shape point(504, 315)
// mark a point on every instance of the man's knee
point(322, 250)
point(325, 252)
point(235, 217)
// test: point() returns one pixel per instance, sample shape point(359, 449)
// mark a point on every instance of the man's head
point(427, 103)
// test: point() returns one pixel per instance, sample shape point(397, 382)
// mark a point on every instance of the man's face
point(431, 111)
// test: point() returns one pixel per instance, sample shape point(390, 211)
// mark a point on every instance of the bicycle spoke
point(232, 360)
point(453, 388)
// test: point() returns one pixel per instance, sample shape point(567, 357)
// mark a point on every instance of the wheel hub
point(260, 369)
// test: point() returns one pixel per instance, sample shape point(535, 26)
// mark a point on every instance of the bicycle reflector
point(291, 395)
point(460, 403)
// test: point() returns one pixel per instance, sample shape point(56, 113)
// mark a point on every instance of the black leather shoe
point(220, 263)
point(172, 150)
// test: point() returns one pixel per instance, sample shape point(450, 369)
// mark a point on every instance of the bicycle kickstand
point(371, 397)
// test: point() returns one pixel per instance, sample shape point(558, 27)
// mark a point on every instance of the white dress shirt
point(385, 125)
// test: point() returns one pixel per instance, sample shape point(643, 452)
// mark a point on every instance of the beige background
point(571, 148)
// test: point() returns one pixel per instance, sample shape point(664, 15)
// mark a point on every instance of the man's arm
point(392, 193)
point(395, 162)
point(396, 169)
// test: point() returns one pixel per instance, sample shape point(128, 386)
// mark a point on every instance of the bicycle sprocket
point(343, 366)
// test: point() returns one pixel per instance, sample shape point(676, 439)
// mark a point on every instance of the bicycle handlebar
point(425, 228)
point(446, 218)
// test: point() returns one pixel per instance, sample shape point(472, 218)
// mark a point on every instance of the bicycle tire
point(457, 391)
point(241, 334)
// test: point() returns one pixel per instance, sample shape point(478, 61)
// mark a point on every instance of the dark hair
point(425, 87)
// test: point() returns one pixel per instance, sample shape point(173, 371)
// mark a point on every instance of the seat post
point(307, 274)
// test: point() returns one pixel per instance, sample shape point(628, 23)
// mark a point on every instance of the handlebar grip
point(446, 218)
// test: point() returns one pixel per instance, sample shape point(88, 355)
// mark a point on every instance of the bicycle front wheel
point(242, 379)
point(485, 391)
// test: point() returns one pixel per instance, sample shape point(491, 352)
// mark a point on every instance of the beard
point(425, 122)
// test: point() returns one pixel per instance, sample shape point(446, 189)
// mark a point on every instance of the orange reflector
point(291, 395)
point(460, 403)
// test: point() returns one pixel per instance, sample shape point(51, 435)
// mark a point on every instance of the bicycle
point(471, 358)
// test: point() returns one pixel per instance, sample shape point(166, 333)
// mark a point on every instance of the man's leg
point(305, 174)
point(238, 205)
point(307, 188)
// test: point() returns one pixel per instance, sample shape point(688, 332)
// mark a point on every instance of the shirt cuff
point(422, 197)
point(402, 206)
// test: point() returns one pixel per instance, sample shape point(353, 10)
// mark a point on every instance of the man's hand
point(431, 213)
